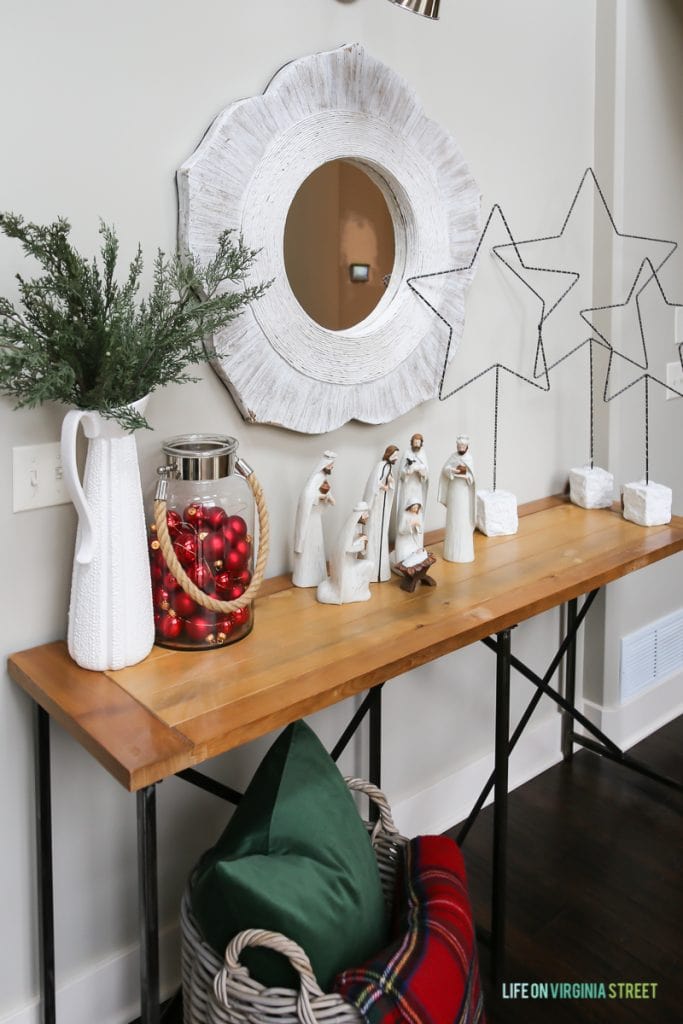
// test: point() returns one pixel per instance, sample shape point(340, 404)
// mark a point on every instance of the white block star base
point(647, 504)
point(591, 487)
point(496, 514)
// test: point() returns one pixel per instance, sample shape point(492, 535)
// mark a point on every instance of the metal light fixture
point(427, 8)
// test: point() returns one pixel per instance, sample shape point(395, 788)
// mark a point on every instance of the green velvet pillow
point(295, 858)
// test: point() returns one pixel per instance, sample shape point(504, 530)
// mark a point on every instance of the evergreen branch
point(83, 339)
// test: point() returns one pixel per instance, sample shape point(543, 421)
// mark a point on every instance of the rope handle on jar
point(166, 546)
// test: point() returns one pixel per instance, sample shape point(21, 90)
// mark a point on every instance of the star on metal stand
point(496, 367)
point(644, 240)
point(634, 305)
point(505, 253)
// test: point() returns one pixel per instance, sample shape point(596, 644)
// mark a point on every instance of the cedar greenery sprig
point(82, 338)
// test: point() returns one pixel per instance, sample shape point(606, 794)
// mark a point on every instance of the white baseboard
point(632, 721)
point(108, 992)
point(450, 800)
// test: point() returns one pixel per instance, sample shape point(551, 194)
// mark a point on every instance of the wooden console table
point(175, 710)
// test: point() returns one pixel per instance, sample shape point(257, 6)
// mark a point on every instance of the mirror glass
point(339, 245)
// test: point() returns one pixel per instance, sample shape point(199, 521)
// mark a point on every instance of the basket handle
point(308, 985)
point(377, 797)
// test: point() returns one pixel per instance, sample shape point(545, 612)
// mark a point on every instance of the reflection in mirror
point(338, 225)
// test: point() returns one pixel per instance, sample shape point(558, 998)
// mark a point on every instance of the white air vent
point(651, 654)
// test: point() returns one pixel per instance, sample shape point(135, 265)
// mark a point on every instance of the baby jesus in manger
point(409, 558)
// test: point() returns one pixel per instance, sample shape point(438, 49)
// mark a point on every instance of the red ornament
point(195, 514)
point(229, 534)
point(216, 517)
point(157, 574)
point(243, 577)
point(234, 591)
point(183, 605)
point(200, 627)
point(185, 546)
point(234, 562)
point(169, 627)
point(243, 549)
point(242, 615)
point(173, 521)
point(213, 546)
point(201, 576)
point(170, 583)
point(223, 582)
point(224, 628)
point(160, 598)
point(238, 527)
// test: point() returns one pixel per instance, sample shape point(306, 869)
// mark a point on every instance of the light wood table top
point(176, 709)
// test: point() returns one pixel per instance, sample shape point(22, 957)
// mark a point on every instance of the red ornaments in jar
point(210, 519)
point(215, 550)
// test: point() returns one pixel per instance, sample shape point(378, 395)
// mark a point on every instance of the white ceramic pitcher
point(111, 623)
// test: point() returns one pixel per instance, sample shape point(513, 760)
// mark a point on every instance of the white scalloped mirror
point(280, 364)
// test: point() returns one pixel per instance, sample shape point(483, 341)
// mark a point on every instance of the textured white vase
point(111, 622)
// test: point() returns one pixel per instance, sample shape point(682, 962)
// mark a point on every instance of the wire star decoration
point(636, 245)
point(639, 250)
point(496, 367)
point(636, 307)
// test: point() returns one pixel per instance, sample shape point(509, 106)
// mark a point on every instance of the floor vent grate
point(651, 654)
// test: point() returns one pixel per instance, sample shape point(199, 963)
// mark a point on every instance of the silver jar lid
point(200, 456)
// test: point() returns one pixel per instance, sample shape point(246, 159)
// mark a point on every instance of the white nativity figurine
point(413, 480)
point(350, 573)
point(457, 493)
point(379, 496)
point(409, 546)
point(310, 567)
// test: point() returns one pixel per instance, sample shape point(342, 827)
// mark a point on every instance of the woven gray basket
point(219, 991)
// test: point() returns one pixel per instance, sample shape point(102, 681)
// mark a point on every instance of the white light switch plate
point(37, 475)
point(674, 378)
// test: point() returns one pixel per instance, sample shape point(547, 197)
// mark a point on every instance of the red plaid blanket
point(430, 973)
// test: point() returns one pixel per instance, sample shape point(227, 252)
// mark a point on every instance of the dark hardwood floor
point(595, 887)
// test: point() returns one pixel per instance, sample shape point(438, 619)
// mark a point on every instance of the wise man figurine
point(379, 495)
point(310, 566)
point(457, 493)
point(350, 574)
point(413, 480)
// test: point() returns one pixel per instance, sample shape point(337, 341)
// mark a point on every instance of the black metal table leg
point(46, 916)
point(376, 737)
point(375, 744)
point(148, 908)
point(500, 805)
point(570, 682)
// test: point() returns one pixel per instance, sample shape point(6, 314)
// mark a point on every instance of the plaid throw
point(430, 973)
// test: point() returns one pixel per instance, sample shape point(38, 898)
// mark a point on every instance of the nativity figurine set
point(394, 500)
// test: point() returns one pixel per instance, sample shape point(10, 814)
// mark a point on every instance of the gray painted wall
point(100, 105)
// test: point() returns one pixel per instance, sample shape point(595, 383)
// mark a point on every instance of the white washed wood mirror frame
point(280, 366)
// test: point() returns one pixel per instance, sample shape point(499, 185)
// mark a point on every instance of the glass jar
point(210, 520)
